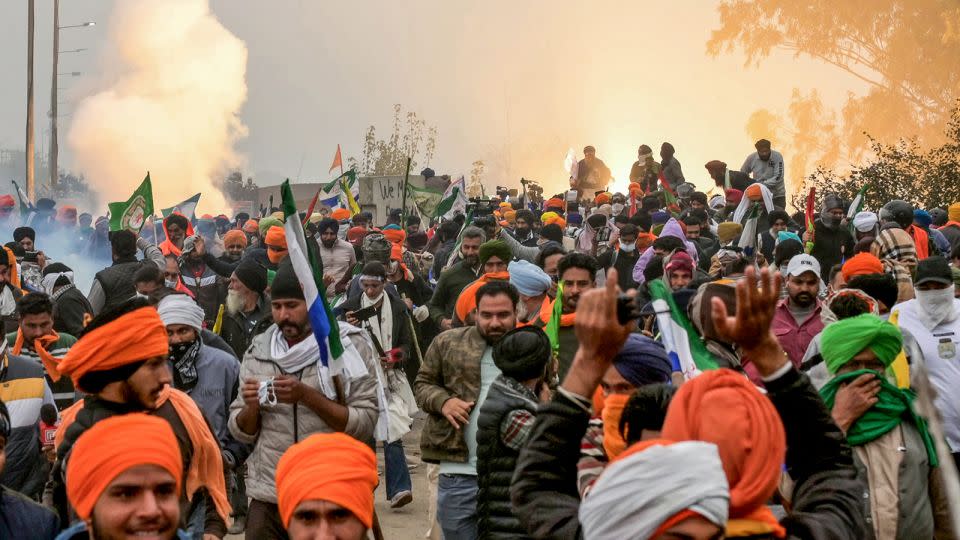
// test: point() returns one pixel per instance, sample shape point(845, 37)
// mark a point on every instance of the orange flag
point(337, 161)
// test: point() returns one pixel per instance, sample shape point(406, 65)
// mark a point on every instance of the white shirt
point(941, 353)
point(337, 260)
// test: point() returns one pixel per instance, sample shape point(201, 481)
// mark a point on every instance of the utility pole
point(28, 150)
point(54, 149)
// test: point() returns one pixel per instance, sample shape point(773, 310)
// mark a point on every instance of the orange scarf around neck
point(40, 346)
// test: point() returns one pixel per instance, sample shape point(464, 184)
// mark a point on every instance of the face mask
point(617, 209)
point(937, 304)
point(170, 284)
point(276, 256)
point(830, 221)
point(627, 248)
point(613, 407)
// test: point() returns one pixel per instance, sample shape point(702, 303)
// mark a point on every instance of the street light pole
point(28, 150)
point(54, 149)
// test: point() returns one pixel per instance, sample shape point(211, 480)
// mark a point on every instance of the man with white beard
point(247, 311)
point(933, 318)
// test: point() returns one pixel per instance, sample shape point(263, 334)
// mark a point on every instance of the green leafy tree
point(410, 137)
point(906, 51)
point(926, 177)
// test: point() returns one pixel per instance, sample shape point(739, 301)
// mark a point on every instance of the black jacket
point(117, 281)
point(239, 329)
point(18, 515)
point(825, 496)
point(70, 310)
point(624, 263)
point(400, 320)
point(830, 246)
point(496, 461)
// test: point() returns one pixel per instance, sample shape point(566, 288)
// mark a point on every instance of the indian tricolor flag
point(325, 326)
point(687, 353)
point(857, 204)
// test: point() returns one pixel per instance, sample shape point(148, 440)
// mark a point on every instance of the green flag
point(431, 203)
point(133, 213)
point(553, 325)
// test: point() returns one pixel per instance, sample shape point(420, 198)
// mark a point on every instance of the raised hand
point(749, 328)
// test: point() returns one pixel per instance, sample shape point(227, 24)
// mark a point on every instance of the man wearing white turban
point(210, 376)
point(865, 224)
point(674, 499)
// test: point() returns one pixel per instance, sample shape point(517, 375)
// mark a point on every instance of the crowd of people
point(801, 381)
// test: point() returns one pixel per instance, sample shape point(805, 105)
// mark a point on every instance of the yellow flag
point(899, 367)
point(219, 322)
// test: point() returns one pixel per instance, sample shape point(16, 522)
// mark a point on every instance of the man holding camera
point(285, 396)
point(386, 319)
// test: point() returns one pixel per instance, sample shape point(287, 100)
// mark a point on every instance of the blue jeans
point(457, 506)
point(397, 472)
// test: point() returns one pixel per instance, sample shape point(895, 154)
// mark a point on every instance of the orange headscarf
point(12, 265)
point(251, 226)
point(235, 235)
point(724, 408)
point(206, 464)
point(395, 236)
point(113, 445)
point(40, 345)
point(341, 214)
point(132, 337)
point(167, 247)
point(330, 467)
point(276, 236)
point(861, 264)
point(467, 301)
point(602, 198)
point(635, 189)
point(753, 192)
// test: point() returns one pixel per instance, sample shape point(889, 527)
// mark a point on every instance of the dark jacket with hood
point(826, 495)
point(830, 246)
point(18, 515)
point(71, 310)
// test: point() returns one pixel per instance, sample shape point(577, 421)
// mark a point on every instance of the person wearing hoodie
point(71, 309)
point(832, 242)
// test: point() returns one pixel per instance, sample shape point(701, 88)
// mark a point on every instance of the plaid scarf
point(897, 252)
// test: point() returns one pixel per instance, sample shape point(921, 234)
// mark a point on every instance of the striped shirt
point(63, 391)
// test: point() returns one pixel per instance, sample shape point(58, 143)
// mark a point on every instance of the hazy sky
point(513, 83)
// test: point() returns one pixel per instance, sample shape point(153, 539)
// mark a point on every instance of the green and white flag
point(857, 204)
point(431, 203)
point(132, 214)
point(456, 195)
point(187, 208)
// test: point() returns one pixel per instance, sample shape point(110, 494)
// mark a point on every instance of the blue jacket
point(19, 514)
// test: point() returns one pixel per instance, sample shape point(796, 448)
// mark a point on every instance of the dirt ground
point(409, 522)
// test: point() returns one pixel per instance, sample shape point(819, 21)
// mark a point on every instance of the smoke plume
point(175, 85)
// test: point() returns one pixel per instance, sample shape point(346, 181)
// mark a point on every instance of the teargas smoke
point(171, 105)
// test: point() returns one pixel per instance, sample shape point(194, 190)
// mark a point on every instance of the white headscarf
point(180, 309)
point(637, 493)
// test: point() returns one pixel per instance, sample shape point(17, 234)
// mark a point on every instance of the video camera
point(481, 206)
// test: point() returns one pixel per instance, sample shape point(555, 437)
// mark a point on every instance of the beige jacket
point(282, 425)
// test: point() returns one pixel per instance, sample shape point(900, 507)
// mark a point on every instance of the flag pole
point(403, 206)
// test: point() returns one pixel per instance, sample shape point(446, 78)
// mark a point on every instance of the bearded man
point(453, 381)
point(247, 312)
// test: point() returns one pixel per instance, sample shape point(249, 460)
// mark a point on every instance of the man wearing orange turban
point(341, 214)
point(131, 453)
point(234, 242)
point(320, 477)
point(276, 244)
point(861, 264)
point(122, 363)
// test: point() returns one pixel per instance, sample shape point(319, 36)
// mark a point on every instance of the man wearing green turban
point(495, 255)
point(893, 451)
